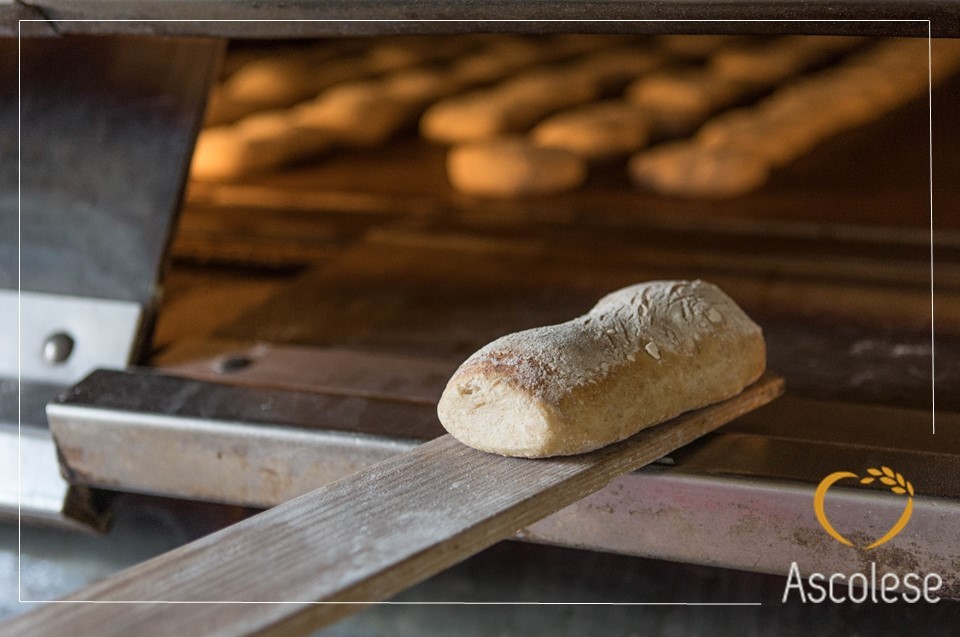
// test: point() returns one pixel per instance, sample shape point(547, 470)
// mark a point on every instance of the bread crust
point(641, 356)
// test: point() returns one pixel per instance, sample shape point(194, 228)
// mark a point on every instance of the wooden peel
point(359, 540)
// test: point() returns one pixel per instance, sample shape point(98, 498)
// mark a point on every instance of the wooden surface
point(443, 295)
point(361, 539)
point(441, 273)
point(345, 372)
point(198, 300)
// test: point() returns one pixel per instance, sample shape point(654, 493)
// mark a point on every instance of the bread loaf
point(678, 101)
point(642, 355)
point(510, 107)
point(599, 131)
point(686, 169)
point(771, 62)
point(355, 113)
point(258, 142)
point(513, 167)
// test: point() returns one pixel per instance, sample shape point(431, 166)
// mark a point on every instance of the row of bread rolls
point(268, 81)
point(535, 131)
point(660, 101)
point(360, 110)
point(282, 78)
point(516, 104)
point(491, 157)
point(484, 114)
point(735, 152)
point(677, 101)
point(281, 108)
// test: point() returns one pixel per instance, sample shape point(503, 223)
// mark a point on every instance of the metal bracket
point(97, 142)
point(63, 338)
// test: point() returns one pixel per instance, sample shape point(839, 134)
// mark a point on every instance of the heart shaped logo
point(897, 483)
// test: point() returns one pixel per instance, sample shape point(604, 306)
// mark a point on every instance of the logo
point(874, 586)
point(897, 483)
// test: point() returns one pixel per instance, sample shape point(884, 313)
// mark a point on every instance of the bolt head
point(58, 348)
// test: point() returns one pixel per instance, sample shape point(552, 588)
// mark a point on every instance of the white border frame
point(445, 603)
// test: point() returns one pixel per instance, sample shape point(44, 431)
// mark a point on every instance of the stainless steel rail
point(730, 499)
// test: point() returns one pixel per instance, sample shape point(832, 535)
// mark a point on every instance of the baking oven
point(213, 304)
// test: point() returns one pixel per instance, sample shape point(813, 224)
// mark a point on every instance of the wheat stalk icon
point(897, 483)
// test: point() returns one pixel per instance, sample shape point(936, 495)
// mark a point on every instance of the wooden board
point(359, 540)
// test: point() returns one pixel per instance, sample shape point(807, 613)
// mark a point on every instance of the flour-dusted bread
point(641, 356)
